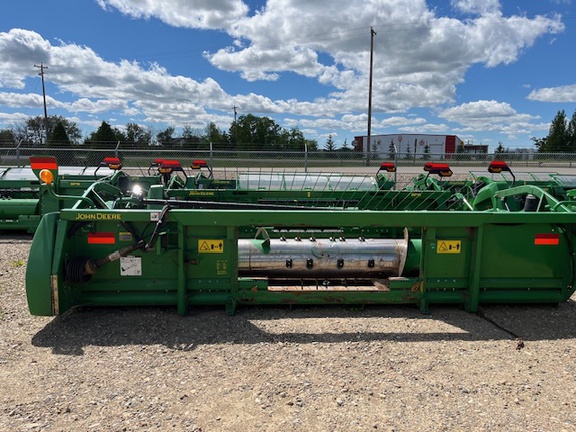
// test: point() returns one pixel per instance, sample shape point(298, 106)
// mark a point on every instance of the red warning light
point(43, 162)
point(547, 239)
point(199, 163)
point(113, 163)
point(427, 166)
point(155, 163)
point(443, 170)
point(388, 167)
point(169, 165)
point(496, 167)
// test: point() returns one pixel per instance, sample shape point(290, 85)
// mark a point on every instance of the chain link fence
point(140, 159)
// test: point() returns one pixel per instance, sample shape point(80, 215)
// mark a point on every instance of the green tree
point(540, 143)
point(571, 134)
point(499, 151)
point(106, 134)
point(311, 145)
point(59, 136)
point(217, 137)
point(250, 132)
point(7, 137)
point(138, 135)
point(254, 132)
point(330, 145)
point(345, 147)
point(166, 137)
point(294, 140)
point(426, 155)
point(191, 137)
point(408, 153)
point(391, 150)
point(558, 139)
point(31, 131)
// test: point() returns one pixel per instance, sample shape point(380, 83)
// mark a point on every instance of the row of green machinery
point(298, 238)
point(20, 205)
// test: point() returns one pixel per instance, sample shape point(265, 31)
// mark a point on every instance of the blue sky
point(488, 71)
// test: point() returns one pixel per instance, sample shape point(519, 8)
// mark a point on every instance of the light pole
point(372, 34)
point(42, 67)
point(235, 127)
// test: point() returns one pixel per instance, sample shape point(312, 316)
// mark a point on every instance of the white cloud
point(554, 94)
point(202, 14)
point(19, 100)
point(100, 86)
point(420, 58)
point(491, 115)
point(477, 6)
point(402, 121)
point(254, 62)
point(12, 118)
point(98, 106)
point(438, 128)
point(19, 51)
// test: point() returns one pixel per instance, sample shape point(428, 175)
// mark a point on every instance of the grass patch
point(17, 263)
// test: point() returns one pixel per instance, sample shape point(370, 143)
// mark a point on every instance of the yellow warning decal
point(210, 246)
point(448, 246)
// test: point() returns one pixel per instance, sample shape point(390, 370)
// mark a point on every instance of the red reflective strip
point(40, 163)
point(546, 239)
point(101, 238)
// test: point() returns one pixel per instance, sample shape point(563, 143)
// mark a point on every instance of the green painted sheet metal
point(455, 257)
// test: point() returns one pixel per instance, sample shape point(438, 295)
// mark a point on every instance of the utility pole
point(368, 150)
point(235, 127)
point(42, 67)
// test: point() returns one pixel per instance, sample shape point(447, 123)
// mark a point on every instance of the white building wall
point(380, 144)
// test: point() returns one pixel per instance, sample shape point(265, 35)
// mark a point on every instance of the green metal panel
point(38, 272)
point(180, 246)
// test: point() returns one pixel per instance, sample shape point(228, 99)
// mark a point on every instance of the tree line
point(561, 136)
point(248, 132)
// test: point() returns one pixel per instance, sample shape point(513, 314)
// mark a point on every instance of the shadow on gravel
point(70, 333)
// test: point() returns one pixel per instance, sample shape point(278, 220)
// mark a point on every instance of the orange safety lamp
point(46, 176)
point(443, 170)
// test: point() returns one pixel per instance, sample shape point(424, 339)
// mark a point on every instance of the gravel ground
point(323, 368)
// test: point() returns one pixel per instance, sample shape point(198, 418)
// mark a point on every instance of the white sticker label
point(154, 216)
point(130, 266)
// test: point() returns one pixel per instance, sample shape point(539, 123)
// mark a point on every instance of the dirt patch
point(279, 369)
